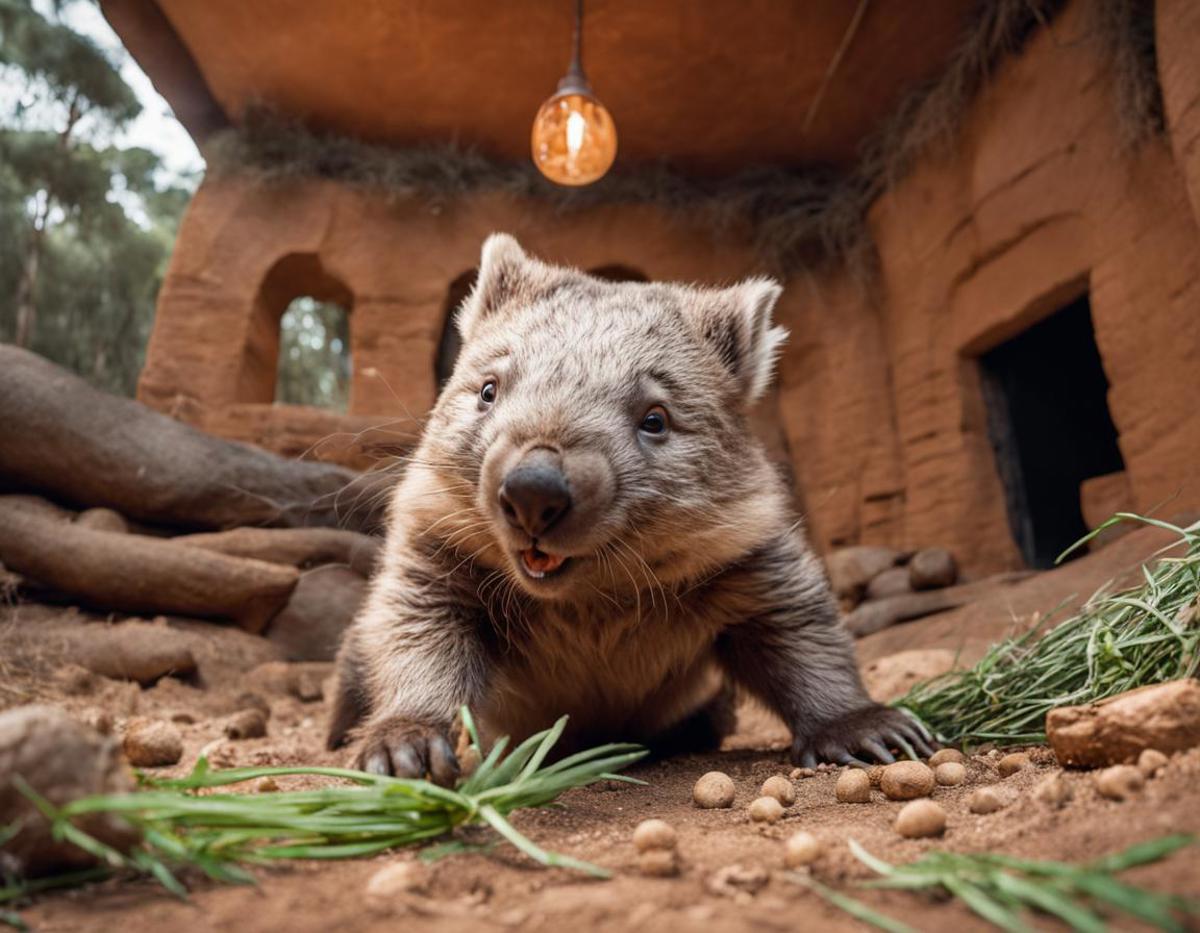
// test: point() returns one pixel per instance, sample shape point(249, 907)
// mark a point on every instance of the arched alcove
point(298, 348)
point(449, 342)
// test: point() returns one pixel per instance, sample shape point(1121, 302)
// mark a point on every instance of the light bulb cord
point(575, 81)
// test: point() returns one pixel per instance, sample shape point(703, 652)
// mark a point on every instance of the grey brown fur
point(687, 571)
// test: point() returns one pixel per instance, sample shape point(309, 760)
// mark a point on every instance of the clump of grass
point(220, 834)
point(1146, 634)
point(1003, 890)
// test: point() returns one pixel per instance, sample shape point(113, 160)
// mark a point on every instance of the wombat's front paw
point(408, 749)
point(867, 732)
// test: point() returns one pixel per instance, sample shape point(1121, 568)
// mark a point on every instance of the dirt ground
point(503, 890)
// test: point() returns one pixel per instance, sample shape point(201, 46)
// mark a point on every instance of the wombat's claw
point(870, 732)
point(406, 749)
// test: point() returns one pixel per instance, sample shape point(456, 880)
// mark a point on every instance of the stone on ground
point(931, 569)
point(150, 743)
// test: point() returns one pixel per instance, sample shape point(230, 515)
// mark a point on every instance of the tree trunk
point(26, 298)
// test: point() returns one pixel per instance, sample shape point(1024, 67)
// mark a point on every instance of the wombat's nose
point(534, 495)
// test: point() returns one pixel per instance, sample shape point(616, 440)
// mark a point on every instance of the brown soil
point(503, 889)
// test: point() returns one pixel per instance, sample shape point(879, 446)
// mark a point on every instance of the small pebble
point(266, 786)
point(780, 788)
point(248, 724)
point(251, 700)
point(1052, 790)
point(986, 800)
point(152, 744)
point(183, 718)
point(798, 773)
point(654, 834)
point(853, 786)
point(1011, 764)
point(921, 818)
point(1119, 782)
point(734, 879)
point(307, 687)
point(801, 849)
point(766, 810)
point(658, 863)
point(398, 878)
point(714, 790)
point(906, 780)
point(1151, 761)
point(944, 755)
point(950, 773)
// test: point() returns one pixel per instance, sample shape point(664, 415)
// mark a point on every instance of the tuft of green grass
point(1146, 634)
point(221, 834)
point(1004, 890)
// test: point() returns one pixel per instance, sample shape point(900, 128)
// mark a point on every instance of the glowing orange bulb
point(574, 140)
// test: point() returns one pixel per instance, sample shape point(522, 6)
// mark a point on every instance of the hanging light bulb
point(574, 140)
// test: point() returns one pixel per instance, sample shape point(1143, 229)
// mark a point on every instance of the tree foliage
point(314, 355)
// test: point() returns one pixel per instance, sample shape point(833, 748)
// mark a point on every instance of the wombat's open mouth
point(539, 564)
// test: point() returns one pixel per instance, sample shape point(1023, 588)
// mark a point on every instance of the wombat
point(588, 527)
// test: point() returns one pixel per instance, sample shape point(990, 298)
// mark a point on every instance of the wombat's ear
point(737, 326)
point(504, 272)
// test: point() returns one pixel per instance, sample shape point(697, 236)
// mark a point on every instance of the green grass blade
point(1047, 899)
point(506, 829)
point(855, 908)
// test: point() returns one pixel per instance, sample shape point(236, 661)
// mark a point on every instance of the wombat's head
point(597, 429)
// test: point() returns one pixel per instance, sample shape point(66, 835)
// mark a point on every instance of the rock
point(398, 878)
point(892, 582)
point(853, 786)
point(266, 785)
point(906, 780)
point(1151, 761)
point(246, 724)
point(850, 569)
point(321, 607)
point(800, 773)
point(715, 790)
point(1119, 782)
point(891, 677)
point(1053, 790)
point(766, 810)
point(1011, 764)
point(950, 773)
point(308, 687)
point(62, 760)
point(654, 834)
point(780, 788)
point(988, 800)
point(658, 863)
point(248, 699)
point(943, 755)
point(138, 651)
point(801, 849)
point(152, 744)
point(921, 818)
point(881, 613)
point(733, 879)
point(103, 520)
point(932, 569)
point(1165, 717)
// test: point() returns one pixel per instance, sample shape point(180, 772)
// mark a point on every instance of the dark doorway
point(1048, 418)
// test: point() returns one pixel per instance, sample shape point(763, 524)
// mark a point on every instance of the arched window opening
point(449, 343)
point(314, 355)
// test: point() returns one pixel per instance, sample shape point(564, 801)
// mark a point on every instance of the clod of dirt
point(1165, 717)
point(906, 780)
point(1119, 782)
point(853, 786)
point(932, 568)
point(75, 680)
point(799, 773)
point(1011, 764)
point(654, 834)
point(921, 818)
point(658, 863)
point(1151, 761)
point(950, 773)
point(398, 878)
point(801, 849)
point(714, 790)
point(266, 786)
point(735, 879)
point(138, 651)
point(100, 519)
point(945, 755)
point(307, 687)
point(251, 700)
point(62, 760)
point(152, 744)
point(780, 788)
point(988, 800)
point(247, 724)
point(766, 810)
point(1053, 790)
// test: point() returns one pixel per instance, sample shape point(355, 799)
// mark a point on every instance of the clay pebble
point(1119, 782)
point(766, 810)
point(1011, 764)
point(654, 834)
point(801, 849)
point(921, 818)
point(946, 755)
point(986, 800)
point(950, 773)
point(853, 786)
point(247, 724)
point(658, 863)
point(152, 744)
point(907, 780)
point(780, 788)
point(1151, 761)
point(714, 790)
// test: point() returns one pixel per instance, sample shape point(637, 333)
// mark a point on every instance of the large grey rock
point(932, 568)
point(850, 569)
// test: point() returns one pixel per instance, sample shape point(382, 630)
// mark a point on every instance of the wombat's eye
point(487, 394)
point(654, 421)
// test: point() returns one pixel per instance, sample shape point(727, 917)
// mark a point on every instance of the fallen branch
point(83, 446)
point(878, 614)
point(136, 573)
point(299, 547)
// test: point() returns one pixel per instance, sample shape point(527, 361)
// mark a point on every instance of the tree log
point(878, 614)
point(137, 573)
point(299, 547)
point(88, 448)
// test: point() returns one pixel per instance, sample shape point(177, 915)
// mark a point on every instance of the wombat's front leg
point(789, 649)
point(411, 660)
